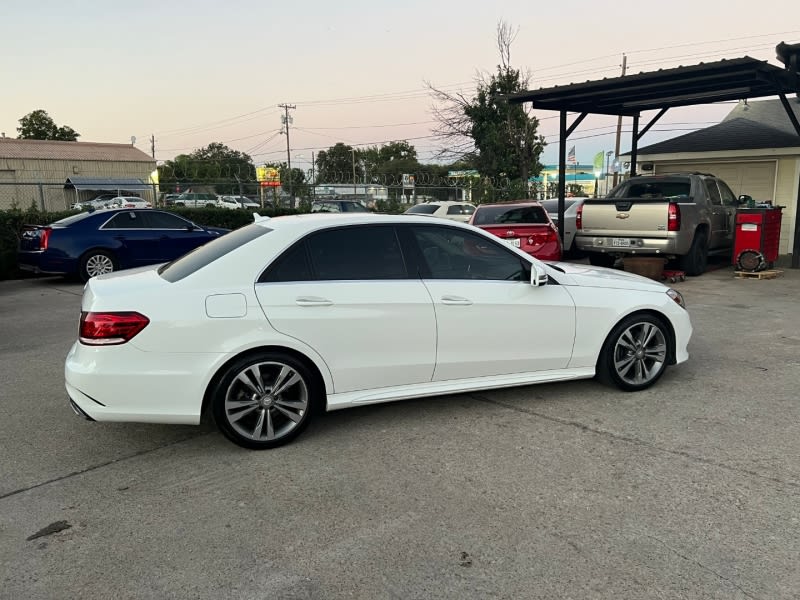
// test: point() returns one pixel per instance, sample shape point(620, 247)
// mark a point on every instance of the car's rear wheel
point(265, 400)
point(97, 262)
point(635, 354)
point(696, 261)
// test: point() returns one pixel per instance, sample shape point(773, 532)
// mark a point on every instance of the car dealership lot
point(688, 489)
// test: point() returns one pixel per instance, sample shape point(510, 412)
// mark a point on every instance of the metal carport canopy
point(106, 185)
point(733, 79)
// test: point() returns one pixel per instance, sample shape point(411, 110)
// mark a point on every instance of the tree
point(497, 138)
point(392, 159)
point(335, 165)
point(38, 125)
point(216, 166)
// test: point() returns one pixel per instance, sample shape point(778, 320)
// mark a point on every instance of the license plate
point(621, 242)
point(512, 242)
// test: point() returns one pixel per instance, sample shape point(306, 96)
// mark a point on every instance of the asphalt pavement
point(690, 489)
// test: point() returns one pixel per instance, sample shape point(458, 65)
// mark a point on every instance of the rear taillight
point(45, 238)
point(110, 328)
point(673, 217)
point(579, 217)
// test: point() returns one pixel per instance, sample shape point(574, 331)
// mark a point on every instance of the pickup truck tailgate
point(625, 217)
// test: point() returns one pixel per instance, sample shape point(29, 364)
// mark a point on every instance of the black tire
point(247, 412)
point(97, 262)
point(624, 357)
point(598, 259)
point(696, 261)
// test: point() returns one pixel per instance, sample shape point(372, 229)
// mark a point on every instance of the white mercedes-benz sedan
point(285, 317)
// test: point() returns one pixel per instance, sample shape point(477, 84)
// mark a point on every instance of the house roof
point(53, 150)
point(750, 126)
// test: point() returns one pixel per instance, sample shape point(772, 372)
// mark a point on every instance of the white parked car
point(128, 202)
point(236, 202)
point(287, 316)
point(455, 211)
point(570, 213)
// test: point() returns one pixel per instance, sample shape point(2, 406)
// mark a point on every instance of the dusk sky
point(194, 73)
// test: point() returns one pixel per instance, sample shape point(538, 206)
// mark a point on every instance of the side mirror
point(538, 275)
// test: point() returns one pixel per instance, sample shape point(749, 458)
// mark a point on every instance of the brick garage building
point(53, 175)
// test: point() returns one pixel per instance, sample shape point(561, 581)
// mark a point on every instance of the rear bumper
point(44, 262)
point(638, 245)
point(123, 383)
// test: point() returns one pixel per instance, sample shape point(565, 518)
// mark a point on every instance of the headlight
point(677, 296)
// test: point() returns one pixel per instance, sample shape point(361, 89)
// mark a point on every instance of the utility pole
point(353, 150)
point(287, 120)
point(153, 145)
point(619, 124)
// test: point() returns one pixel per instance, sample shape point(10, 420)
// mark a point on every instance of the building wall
point(38, 181)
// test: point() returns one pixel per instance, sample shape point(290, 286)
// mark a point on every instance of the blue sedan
point(94, 243)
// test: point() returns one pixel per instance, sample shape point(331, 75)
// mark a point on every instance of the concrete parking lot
point(688, 490)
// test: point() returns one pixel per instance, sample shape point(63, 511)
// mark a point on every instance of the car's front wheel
point(264, 400)
point(635, 353)
point(96, 262)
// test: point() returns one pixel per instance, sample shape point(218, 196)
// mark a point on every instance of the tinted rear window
point(502, 215)
point(208, 253)
point(674, 188)
point(67, 221)
point(423, 209)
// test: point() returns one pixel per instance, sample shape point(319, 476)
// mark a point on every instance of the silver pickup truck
point(679, 215)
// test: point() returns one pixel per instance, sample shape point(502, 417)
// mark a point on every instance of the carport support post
point(41, 197)
point(562, 171)
point(634, 144)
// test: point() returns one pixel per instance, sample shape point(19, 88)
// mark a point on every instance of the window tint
point(354, 207)
point(325, 207)
point(674, 188)
point(125, 220)
point(208, 253)
point(450, 253)
point(292, 265)
point(356, 253)
point(713, 192)
point(67, 221)
point(423, 209)
point(503, 215)
point(162, 220)
point(728, 198)
point(460, 209)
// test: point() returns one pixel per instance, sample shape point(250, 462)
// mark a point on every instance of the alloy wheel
point(266, 401)
point(640, 353)
point(99, 264)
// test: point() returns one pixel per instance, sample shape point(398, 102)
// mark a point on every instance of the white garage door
point(756, 179)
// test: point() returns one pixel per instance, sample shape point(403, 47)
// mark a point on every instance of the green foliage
point(215, 167)
point(38, 125)
point(335, 165)
point(505, 135)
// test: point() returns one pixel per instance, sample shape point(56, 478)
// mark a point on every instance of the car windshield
point(423, 209)
point(503, 215)
point(208, 253)
point(551, 205)
point(355, 207)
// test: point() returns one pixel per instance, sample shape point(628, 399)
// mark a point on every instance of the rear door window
point(125, 220)
point(356, 253)
point(423, 209)
point(713, 191)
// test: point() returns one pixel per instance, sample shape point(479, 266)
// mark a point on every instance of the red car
point(524, 225)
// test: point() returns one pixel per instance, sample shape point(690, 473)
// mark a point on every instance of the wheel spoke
point(235, 417)
point(291, 415)
point(295, 404)
point(638, 374)
point(624, 365)
point(626, 340)
point(270, 430)
point(648, 331)
point(259, 424)
point(658, 353)
point(286, 379)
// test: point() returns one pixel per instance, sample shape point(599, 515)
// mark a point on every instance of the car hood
point(589, 276)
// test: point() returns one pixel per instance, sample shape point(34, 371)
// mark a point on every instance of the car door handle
point(312, 301)
point(456, 301)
